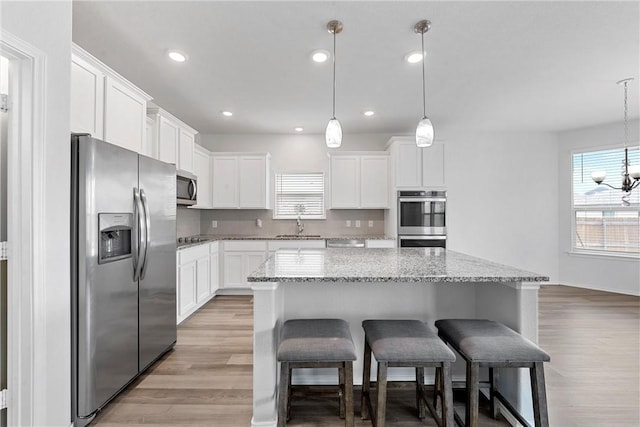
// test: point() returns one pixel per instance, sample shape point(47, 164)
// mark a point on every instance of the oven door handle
point(421, 199)
point(438, 237)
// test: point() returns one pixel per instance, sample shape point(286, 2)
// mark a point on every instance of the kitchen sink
point(296, 236)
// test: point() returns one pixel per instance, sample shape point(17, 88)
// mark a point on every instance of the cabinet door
point(187, 277)
point(374, 182)
point(202, 166)
point(252, 182)
point(215, 272)
point(252, 261)
point(433, 166)
point(345, 174)
point(87, 99)
point(203, 286)
point(232, 270)
point(225, 190)
point(185, 150)
point(125, 117)
point(168, 134)
point(408, 166)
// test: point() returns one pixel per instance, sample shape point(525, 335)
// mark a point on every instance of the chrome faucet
point(300, 225)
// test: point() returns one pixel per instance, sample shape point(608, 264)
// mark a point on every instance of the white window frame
point(302, 215)
point(596, 252)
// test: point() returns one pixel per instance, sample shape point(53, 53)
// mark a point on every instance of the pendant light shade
point(333, 133)
point(424, 130)
point(424, 133)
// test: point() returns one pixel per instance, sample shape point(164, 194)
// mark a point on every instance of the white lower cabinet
point(197, 278)
point(241, 258)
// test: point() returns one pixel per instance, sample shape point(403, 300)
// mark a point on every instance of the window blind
point(299, 194)
point(601, 222)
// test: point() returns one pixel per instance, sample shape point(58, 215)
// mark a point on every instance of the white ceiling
point(497, 66)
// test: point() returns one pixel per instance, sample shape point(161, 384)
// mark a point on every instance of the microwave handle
point(193, 189)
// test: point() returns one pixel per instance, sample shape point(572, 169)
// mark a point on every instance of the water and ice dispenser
point(115, 236)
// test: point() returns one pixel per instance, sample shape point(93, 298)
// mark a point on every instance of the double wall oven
point(422, 219)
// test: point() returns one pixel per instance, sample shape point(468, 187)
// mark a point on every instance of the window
point(299, 194)
point(601, 222)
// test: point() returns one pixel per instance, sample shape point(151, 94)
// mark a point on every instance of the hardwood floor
point(592, 379)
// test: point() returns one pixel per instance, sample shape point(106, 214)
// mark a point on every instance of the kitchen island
point(406, 283)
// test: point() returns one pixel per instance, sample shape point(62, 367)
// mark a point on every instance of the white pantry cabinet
point(360, 181)
point(416, 167)
point(197, 282)
point(241, 181)
point(173, 141)
point(105, 104)
point(202, 169)
point(240, 258)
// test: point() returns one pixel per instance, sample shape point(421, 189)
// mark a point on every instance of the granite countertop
point(385, 265)
point(213, 238)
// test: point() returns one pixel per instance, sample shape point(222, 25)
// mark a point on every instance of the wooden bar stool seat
point(486, 343)
point(406, 343)
point(316, 343)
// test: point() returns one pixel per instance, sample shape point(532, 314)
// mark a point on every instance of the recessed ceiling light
point(176, 55)
point(227, 113)
point(298, 129)
point(319, 55)
point(368, 113)
point(413, 57)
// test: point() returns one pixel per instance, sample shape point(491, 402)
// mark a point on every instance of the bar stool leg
point(366, 383)
point(447, 395)
point(341, 389)
point(348, 394)
point(420, 405)
point(473, 371)
point(289, 394)
point(539, 395)
point(283, 392)
point(437, 387)
point(382, 394)
point(494, 378)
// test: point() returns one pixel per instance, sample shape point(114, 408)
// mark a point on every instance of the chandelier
point(630, 172)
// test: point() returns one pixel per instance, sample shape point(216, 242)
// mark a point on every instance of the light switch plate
point(214, 224)
point(370, 223)
point(357, 223)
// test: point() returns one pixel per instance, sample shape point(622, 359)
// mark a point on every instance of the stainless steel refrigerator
point(123, 222)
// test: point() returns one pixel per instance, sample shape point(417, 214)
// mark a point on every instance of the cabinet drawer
point(274, 245)
point(192, 254)
point(245, 245)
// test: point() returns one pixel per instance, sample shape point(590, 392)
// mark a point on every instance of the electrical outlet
point(214, 224)
point(370, 223)
point(348, 223)
point(259, 223)
point(357, 223)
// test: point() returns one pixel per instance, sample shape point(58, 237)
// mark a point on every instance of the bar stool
point(406, 343)
point(485, 343)
point(316, 343)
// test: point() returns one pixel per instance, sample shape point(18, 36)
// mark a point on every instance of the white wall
point(47, 26)
point(502, 198)
point(614, 274)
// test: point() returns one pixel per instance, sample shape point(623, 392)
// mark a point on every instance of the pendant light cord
point(334, 75)
point(424, 93)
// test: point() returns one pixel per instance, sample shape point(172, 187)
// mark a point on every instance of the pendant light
point(333, 133)
point(424, 130)
point(629, 171)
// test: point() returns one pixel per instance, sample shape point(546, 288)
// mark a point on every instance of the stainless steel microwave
point(186, 188)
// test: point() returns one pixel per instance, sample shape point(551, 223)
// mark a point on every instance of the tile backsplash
point(187, 222)
point(244, 222)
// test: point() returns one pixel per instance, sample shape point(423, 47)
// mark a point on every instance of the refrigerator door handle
point(147, 226)
point(141, 235)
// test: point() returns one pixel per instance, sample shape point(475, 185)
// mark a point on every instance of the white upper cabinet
point(241, 180)
point(360, 181)
point(106, 105)
point(225, 181)
point(202, 169)
point(174, 141)
point(374, 182)
point(416, 167)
